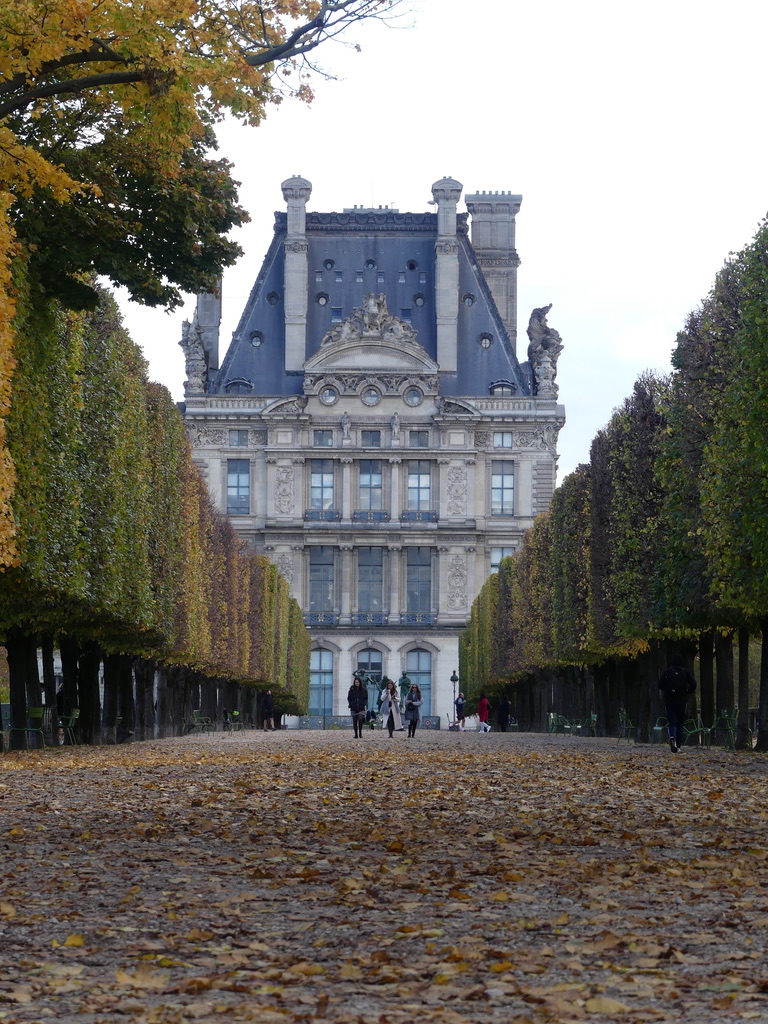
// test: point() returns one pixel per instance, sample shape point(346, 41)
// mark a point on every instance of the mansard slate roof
point(351, 255)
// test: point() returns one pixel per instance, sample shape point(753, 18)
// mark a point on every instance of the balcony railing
point(423, 515)
point(418, 619)
point(322, 515)
point(370, 618)
point(370, 515)
point(321, 619)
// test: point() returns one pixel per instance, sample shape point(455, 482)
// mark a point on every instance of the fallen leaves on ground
point(296, 877)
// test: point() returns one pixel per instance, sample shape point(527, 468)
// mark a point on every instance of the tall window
point(238, 487)
point(370, 438)
point(321, 682)
point(370, 484)
point(323, 439)
point(418, 438)
point(496, 556)
point(502, 489)
point(370, 579)
point(419, 581)
point(369, 661)
point(321, 578)
point(418, 485)
point(418, 668)
point(321, 483)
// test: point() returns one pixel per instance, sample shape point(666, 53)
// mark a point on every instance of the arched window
point(321, 682)
point(418, 668)
point(369, 661)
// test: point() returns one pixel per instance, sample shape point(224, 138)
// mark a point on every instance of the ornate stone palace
point(372, 429)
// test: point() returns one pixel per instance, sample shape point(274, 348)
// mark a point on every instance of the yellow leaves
point(7, 910)
point(143, 978)
point(604, 1004)
point(306, 969)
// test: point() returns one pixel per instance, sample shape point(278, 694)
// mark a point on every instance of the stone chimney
point(209, 320)
point(493, 239)
point(296, 193)
point(446, 194)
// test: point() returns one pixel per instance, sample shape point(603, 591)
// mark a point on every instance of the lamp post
point(454, 680)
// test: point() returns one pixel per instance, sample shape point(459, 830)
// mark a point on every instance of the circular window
point(329, 396)
point(371, 396)
point(328, 264)
point(370, 264)
point(468, 299)
point(413, 396)
point(257, 339)
point(419, 300)
point(412, 265)
point(273, 298)
point(485, 340)
point(322, 299)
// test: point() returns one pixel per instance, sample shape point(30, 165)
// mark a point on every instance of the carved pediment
point(371, 338)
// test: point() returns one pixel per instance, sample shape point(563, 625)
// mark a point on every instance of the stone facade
point(372, 430)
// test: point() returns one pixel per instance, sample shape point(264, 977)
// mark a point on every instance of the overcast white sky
point(635, 133)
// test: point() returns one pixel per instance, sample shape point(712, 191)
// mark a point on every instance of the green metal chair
point(235, 723)
point(34, 727)
point(626, 726)
point(695, 731)
point(659, 729)
point(67, 724)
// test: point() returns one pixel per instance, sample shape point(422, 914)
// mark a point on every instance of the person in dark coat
point(675, 683)
point(413, 704)
point(357, 699)
point(461, 703)
point(502, 714)
point(268, 711)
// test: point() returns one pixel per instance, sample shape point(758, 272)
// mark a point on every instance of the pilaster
point(296, 193)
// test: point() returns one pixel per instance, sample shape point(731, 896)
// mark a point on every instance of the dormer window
point(502, 389)
point(239, 386)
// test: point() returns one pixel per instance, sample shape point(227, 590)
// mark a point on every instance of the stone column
point(346, 488)
point(395, 563)
point(296, 192)
point(394, 489)
point(446, 193)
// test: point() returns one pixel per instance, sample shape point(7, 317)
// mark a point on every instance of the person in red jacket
point(483, 709)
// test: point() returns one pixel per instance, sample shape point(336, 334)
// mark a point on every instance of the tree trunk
point(164, 724)
point(16, 644)
point(49, 675)
point(743, 736)
point(707, 677)
point(762, 711)
point(90, 701)
point(34, 693)
point(70, 655)
point(111, 686)
point(126, 705)
point(145, 689)
point(724, 663)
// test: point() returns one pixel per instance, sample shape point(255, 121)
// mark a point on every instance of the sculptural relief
point(457, 583)
point(544, 348)
point(457, 491)
point(284, 499)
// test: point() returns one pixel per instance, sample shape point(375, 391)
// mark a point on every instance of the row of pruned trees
point(114, 554)
point(660, 541)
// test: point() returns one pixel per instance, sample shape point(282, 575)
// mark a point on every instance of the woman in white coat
point(390, 708)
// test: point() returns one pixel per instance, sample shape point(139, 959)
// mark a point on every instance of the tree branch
point(72, 85)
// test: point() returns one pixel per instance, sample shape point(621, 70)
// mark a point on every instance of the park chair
point(565, 725)
point(695, 730)
point(588, 727)
point(201, 722)
point(660, 728)
point(235, 723)
point(67, 724)
point(551, 721)
point(34, 726)
point(626, 726)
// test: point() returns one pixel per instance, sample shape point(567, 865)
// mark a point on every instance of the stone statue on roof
point(544, 347)
point(195, 363)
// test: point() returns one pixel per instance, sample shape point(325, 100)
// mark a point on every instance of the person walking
point(483, 710)
point(502, 714)
point(357, 699)
point(390, 708)
point(268, 711)
point(461, 702)
point(675, 683)
point(413, 704)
